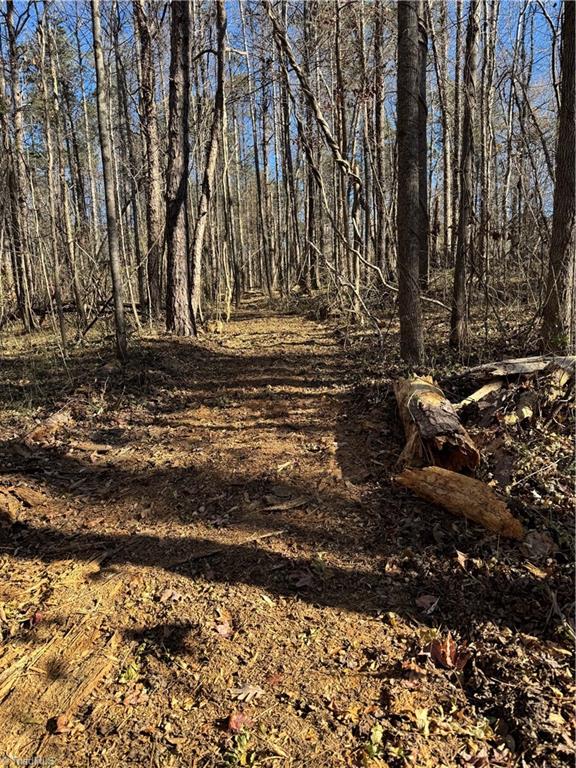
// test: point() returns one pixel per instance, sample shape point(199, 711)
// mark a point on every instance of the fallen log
point(463, 496)
point(520, 366)
point(434, 434)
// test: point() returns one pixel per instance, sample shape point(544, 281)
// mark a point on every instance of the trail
point(216, 534)
point(211, 519)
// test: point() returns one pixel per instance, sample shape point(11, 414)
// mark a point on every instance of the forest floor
point(211, 567)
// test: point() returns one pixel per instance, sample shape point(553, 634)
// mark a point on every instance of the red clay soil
point(210, 567)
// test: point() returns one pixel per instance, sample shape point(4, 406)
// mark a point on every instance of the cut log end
point(434, 434)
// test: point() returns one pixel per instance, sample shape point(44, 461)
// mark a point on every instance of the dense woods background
point(165, 158)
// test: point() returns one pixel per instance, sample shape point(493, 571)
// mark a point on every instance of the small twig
point(217, 550)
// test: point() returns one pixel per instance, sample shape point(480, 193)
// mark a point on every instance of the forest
point(287, 374)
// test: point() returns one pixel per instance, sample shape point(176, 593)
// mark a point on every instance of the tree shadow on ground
point(387, 549)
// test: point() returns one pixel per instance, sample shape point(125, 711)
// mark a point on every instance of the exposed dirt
point(210, 567)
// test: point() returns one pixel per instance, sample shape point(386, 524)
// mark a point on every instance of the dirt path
point(213, 538)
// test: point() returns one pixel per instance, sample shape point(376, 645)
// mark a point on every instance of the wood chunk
point(463, 496)
point(30, 497)
point(44, 433)
point(434, 434)
point(480, 394)
point(9, 507)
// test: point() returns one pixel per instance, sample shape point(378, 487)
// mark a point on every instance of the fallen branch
point(434, 434)
point(521, 366)
point(463, 496)
point(492, 386)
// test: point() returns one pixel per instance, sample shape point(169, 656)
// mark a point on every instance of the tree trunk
point(559, 311)
point(149, 122)
point(179, 317)
point(104, 129)
point(20, 239)
point(459, 320)
point(424, 259)
point(209, 171)
point(408, 206)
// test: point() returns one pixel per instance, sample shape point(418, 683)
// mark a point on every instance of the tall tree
point(104, 129)
point(17, 180)
point(211, 158)
point(424, 258)
point(459, 318)
point(559, 311)
point(408, 206)
point(149, 122)
point(179, 318)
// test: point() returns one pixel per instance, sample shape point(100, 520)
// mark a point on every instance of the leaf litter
point(143, 589)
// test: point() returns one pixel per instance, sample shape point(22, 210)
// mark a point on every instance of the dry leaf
point(539, 545)
point(36, 618)
point(247, 692)
point(427, 602)
point(462, 558)
point(302, 579)
point(447, 654)
point(225, 629)
point(239, 721)
point(62, 724)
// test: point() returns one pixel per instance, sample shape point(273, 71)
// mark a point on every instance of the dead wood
point(45, 432)
point(463, 496)
point(520, 366)
point(434, 434)
point(9, 507)
point(487, 389)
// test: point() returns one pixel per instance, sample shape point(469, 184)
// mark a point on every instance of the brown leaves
point(224, 625)
point(447, 654)
point(539, 545)
point(247, 692)
point(239, 721)
point(427, 603)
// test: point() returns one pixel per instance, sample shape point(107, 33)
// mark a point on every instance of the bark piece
point(463, 496)
point(434, 434)
point(9, 508)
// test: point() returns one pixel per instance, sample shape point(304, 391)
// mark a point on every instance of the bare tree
point(408, 206)
point(102, 100)
point(149, 122)
point(179, 318)
point(559, 316)
point(210, 169)
point(459, 319)
point(18, 197)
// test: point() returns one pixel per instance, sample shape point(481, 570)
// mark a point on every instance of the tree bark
point(104, 129)
point(559, 311)
point(459, 319)
point(462, 496)
point(179, 317)
point(408, 206)
point(434, 434)
point(210, 169)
